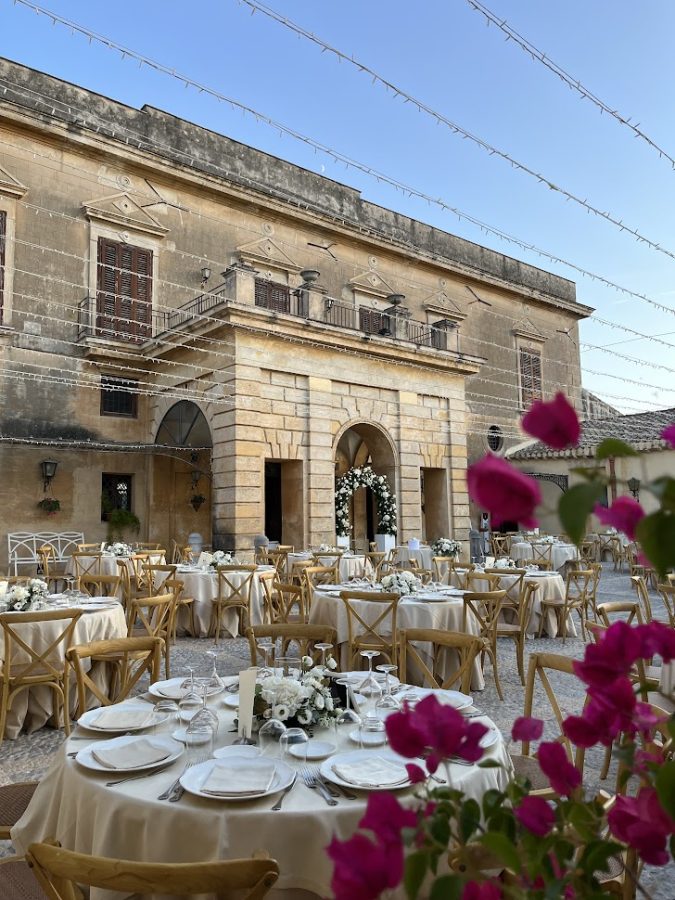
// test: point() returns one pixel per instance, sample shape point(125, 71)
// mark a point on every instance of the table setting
point(561, 553)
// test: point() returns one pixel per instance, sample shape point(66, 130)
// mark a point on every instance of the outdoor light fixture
point(48, 467)
point(634, 487)
point(206, 274)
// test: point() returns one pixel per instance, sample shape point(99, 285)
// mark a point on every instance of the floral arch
point(386, 501)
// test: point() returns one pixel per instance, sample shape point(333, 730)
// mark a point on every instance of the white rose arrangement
point(386, 501)
point(446, 547)
point(27, 597)
point(118, 548)
point(221, 558)
point(401, 583)
point(306, 701)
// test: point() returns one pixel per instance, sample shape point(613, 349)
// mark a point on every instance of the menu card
point(247, 680)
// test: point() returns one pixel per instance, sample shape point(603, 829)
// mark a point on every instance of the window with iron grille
point(115, 493)
point(119, 397)
point(124, 292)
point(373, 322)
point(3, 238)
point(271, 295)
point(530, 376)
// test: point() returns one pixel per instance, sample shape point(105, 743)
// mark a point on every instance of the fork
point(335, 790)
point(177, 790)
point(154, 771)
point(313, 782)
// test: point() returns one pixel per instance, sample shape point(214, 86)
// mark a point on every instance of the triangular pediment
point(371, 283)
point(269, 253)
point(122, 209)
point(11, 185)
point(442, 304)
point(527, 329)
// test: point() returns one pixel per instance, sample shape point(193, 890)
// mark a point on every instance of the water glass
point(164, 715)
point(294, 737)
point(269, 738)
point(199, 741)
point(290, 666)
point(372, 732)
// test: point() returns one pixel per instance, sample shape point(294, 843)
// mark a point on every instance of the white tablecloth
point(560, 553)
point(127, 821)
point(422, 556)
point(32, 708)
point(444, 615)
point(203, 587)
point(349, 566)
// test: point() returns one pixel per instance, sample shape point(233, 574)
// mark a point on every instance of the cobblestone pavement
point(30, 755)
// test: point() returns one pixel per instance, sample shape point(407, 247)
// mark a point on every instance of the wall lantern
point(634, 487)
point(206, 274)
point(48, 467)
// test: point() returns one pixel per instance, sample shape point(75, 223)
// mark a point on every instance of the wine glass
point(204, 714)
point(269, 737)
point(165, 710)
point(348, 716)
point(190, 703)
point(294, 737)
point(291, 666)
point(370, 686)
point(265, 646)
point(387, 702)
point(199, 738)
point(324, 648)
point(214, 682)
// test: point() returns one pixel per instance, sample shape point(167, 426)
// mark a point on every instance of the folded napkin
point(130, 755)
point(119, 719)
point(374, 771)
point(174, 691)
point(248, 776)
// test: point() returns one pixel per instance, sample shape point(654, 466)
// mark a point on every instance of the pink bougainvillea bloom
point(553, 762)
point(526, 728)
point(624, 515)
point(657, 638)
point(363, 870)
point(554, 422)
point(385, 817)
point(406, 735)
point(642, 823)
point(612, 657)
point(415, 773)
point(503, 491)
point(668, 435)
point(483, 890)
point(536, 815)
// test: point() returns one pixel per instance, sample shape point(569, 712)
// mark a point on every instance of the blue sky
point(442, 52)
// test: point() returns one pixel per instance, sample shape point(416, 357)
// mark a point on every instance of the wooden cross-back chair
point(101, 585)
point(543, 564)
point(542, 553)
point(485, 608)
point(605, 546)
point(131, 657)
point(304, 636)
point(267, 580)
point(287, 599)
point(59, 872)
point(260, 556)
point(138, 574)
point(588, 551)
point(26, 664)
point(592, 593)
point(232, 594)
point(627, 610)
point(298, 566)
point(155, 574)
point(463, 648)
point(514, 590)
point(500, 544)
point(667, 594)
point(153, 617)
point(177, 587)
point(315, 576)
point(459, 572)
point(364, 635)
point(86, 564)
point(89, 548)
point(52, 572)
point(441, 566)
point(640, 585)
point(577, 582)
point(278, 559)
point(517, 631)
point(475, 581)
point(375, 558)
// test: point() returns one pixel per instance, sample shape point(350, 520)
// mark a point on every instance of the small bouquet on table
point(118, 548)
point(446, 547)
point(305, 701)
point(401, 583)
point(218, 558)
point(27, 597)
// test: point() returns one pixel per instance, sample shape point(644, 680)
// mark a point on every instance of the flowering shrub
point(401, 583)
point(26, 597)
point(386, 501)
point(304, 702)
point(446, 547)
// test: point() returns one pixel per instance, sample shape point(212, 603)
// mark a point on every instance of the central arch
point(359, 444)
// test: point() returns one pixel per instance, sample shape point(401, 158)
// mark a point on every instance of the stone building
point(207, 334)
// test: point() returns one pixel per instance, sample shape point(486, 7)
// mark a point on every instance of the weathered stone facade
point(341, 369)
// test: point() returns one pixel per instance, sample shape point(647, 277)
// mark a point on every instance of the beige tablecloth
point(422, 556)
point(349, 566)
point(203, 587)
point(127, 821)
point(32, 708)
point(560, 554)
point(444, 615)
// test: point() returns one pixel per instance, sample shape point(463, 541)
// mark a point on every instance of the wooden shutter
point(271, 295)
point(3, 241)
point(530, 376)
point(372, 322)
point(124, 301)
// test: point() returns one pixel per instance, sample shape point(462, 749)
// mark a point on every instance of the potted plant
point(196, 501)
point(49, 505)
point(119, 520)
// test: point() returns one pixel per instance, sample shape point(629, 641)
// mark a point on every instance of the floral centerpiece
point(305, 701)
point(25, 597)
point(504, 562)
point(401, 583)
point(446, 547)
point(220, 558)
point(119, 548)
point(386, 501)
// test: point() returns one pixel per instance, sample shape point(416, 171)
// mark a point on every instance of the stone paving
point(30, 755)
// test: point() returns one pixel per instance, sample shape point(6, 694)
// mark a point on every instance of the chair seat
point(18, 882)
point(507, 628)
point(14, 799)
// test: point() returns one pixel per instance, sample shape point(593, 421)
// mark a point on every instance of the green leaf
point(613, 447)
point(671, 726)
point(447, 887)
point(502, 848)
point(490, 764)
point(576, 505)
point(440, 830)
point(656, 534)
point(665, 787)
point(415, 870)
point(664, 490)
point(469, 817)
point(596, 855)
point(492, 800)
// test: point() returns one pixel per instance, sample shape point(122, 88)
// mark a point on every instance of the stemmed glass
point(205, 716)
point(387, 703)
point(324, 648)
point(348, 716)
point(370, 686)
point(214, 682)
point(190, 703)
point(265, 646)
point(291, 666)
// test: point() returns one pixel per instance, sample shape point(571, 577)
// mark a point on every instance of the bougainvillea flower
point(612, 657)
point(624, 515)
point(526, 728)
point(536, 815)
point(657, 638)
point(503, 491)
point(642, 823)
point(386, 817)
point(362, 870)
point(668, 434)
point(483, 890)
point(554, 422)
point(553, 762)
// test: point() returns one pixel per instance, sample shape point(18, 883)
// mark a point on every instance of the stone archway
point(181, 483)
point(361, 444)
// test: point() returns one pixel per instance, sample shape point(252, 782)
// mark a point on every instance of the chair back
point(640, 586)
point(475, 581)
point(261, 556)
point(133, 657)
point(314, 576)
point(138, 561)
point(89, 548)
point(500, 544)
point(544, 564)
point(619, 608)
point(154, 614)
point(485, 608)
point(464, 648)
point(278, 559)
point(46, 558)
point(542, 552)
point(375, 558)
point(286, 548)
point(86, 563)
point(380, 632)
point(267, 580)
point(288, 597)
point(156, 575)
point(60, 871)
point(298, 567)
point(142, 546)
point(101, 585)
point(577, 584)
point(667, 594)
point(588, 551)
point(441, 566)
point(29, 660)
point(231, 591)
point(298, 633)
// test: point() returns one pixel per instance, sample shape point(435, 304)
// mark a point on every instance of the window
point(124, 292)
point(530, 376)
point(373, 322)
point(271, 295)
point(115, 493)
point(3, 237)
point(119, 397)
point(495, 438)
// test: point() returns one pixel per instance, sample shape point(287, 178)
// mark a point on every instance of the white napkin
point(247, 777)
point(174, 691)
point(130, 755)
point(116, 718)
point(374, 771)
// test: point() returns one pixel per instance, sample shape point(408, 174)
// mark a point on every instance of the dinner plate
point(373, 739)
point(95, 607)
point(88, 718)
point(429, 598)
point(193, 779)
point(448, 698)
point(171, 689)
point(87, 759)
point(236, 750)
point(326, 769)
point(312, 750)
point(357, 678)
point(490, 738)
point(231, 701)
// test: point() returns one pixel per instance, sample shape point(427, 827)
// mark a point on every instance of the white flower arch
point(364, 476)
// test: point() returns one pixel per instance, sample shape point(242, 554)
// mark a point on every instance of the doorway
point(273, 505)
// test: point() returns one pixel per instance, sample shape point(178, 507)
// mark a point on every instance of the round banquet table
point(349, 565)
point(32, 708)
point(422, 556)
point(74, 806)
point(202, 586)
point(560, 554)
point(414, 611)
